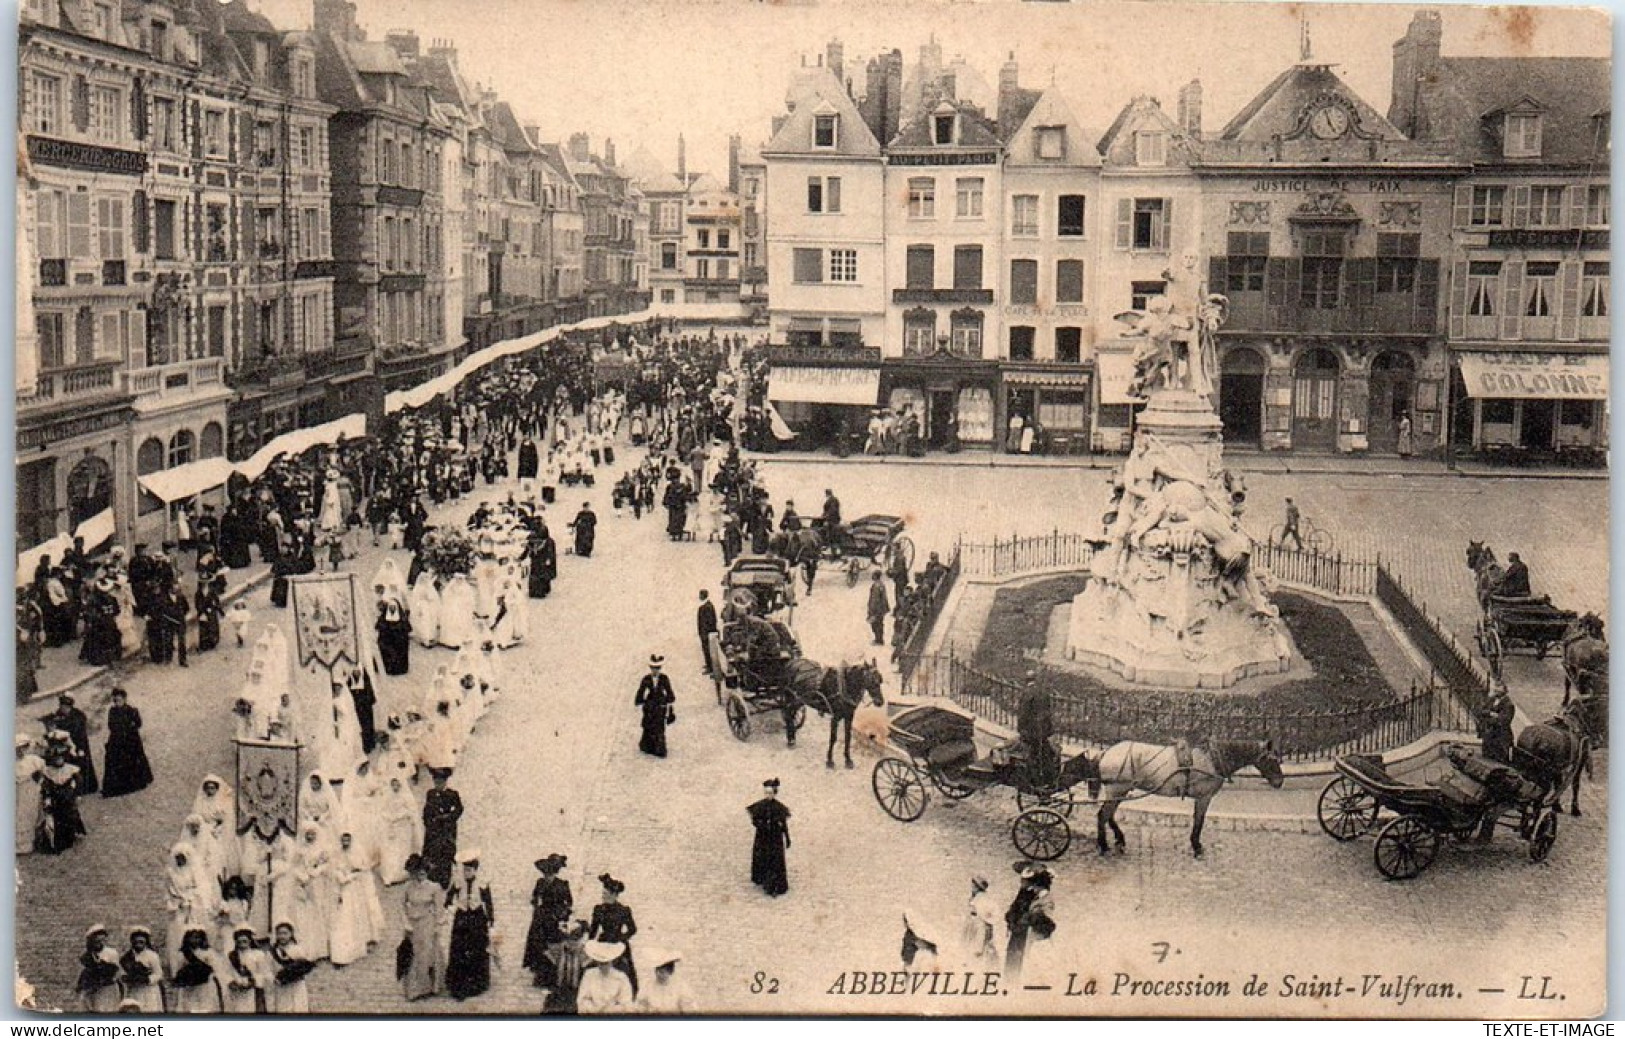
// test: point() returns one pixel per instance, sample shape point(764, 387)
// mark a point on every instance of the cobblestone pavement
point(555, 767)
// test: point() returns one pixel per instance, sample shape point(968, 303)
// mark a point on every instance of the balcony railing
point(1359, 302)
point(84, 381)
point(113, 272)
point(53, 273)
point(177, 379)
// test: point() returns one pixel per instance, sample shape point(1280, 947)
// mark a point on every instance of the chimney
point(609, 152)
point(682, 157)
point(444, 50)
point(835, 59)
point(1009, 83)
point(1190, 109)
point(1416, 68)
point(778, 124)
point(733, 163)
point(930, 56)
point(578, 147)
point(336, 17)
point(403, 42)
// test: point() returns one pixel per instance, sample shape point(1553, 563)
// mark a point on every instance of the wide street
point(555, 767)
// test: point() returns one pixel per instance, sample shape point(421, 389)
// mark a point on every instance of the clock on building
point(1329, 122)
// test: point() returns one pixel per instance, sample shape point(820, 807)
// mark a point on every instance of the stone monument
point(1172, 599)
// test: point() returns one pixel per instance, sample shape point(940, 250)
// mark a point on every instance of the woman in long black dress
point(209, 612)
point(768, 869)
point(468, 965)
point(394, 636)
point(656, 698)
point(442, 807)
point(103, 645)
point(676, 502)
point(126, 768)
point(60, 822)
point(612, 922)
point(551, 906)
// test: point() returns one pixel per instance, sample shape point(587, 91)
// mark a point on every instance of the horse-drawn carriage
point(939, 743)
point(750, 665)
point(760, 585)
point(872, 539)
point(1513, 622)
point(1476, 797)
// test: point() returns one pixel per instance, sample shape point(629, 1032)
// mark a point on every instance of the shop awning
point(1116, 371)
point(56, 548)
point(1079, 379)
point(825, 385)
point(1545, 376)
point(96, 531)
point(184, 481)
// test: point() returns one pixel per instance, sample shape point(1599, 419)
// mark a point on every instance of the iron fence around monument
point(1329, 572)
point(1013, 556)
point(1163, 717)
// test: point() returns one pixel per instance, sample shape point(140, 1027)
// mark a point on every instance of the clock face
point(1329, 122)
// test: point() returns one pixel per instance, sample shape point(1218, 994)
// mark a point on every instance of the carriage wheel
point(738, 717)
point(1405, 847)
point(1494, 648)
point(1319, 542)
point(899, 789)
point(1346, 810)
point(948, 787)
point(1061, 802)
point(904, 547)
point(1041, 834)
point(1545, 835)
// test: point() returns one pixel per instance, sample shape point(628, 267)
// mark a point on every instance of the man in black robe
point(73, 721)
point(364, 699)
point(170, 611)
point(585, 526)
point(442, 807)
point(529, 461)
point(544, 563)
point(657, 700)
point(771, 819)
point(209, 612)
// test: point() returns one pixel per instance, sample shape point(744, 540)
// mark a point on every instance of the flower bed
point(1345, 698)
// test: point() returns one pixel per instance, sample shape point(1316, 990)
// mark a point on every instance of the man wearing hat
point(706, 620)
point(72, 721)
point(656, 698)
point(879, 606)
point(768, 869)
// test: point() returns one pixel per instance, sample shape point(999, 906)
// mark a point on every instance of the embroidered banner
point(267, 788)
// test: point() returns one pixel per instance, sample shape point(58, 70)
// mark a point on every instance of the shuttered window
point(809, 266)
point(1069, 281)
point(1023, 282)
point(921, 267)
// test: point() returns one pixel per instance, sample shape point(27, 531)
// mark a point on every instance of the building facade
point(711, 243)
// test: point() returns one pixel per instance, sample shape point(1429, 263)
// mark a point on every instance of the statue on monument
point(1178, 352)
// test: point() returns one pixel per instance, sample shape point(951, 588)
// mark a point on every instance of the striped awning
point(1080, 378)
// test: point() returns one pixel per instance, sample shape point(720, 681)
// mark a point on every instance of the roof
point(1278, 109)
point(650, 174)
point(505, 128)
point(822, 95)
point(705, 184)
point(976, 130)
point(1116, 144)
point(237, 16)
point(1014, 107)
point(1051, 109)
point(372, 57)
point(1570, 92)
point(444, 82)
point(553, 155)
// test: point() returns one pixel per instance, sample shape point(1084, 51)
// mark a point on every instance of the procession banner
point(328, 645)
point(267, 788)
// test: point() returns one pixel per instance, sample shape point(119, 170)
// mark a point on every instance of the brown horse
point(1585, 658)
point(1488, 572)
point(1557, 753)
point(1126, 767)
point(836, 691)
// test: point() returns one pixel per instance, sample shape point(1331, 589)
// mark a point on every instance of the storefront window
point(1058, 410)
point(975, 415)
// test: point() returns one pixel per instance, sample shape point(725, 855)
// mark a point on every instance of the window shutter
point(247, 245)
point(1464, 208)
point(1512, 301)
point(1277, 290)
point(48, 225)
point(243, 147)
point(1520, 206)
point(1167, 242)
point(815, 194)
point(1362, 282)
point(1575, 194)
point(1568, 300)
point(195, 130)
point(1218, 273)
point(1458, 301)
point(139, 233)
point(138, 110)
point(79, 226)
point(1125, 222)
point(832, 194)
point(1427, 296)
point(81, 103)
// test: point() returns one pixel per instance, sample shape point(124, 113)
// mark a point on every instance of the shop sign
point(825, 385)
point(1538, 376)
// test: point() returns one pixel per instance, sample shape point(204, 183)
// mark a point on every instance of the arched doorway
point(1393, 394)
point(1241, 396)
point(1314, 400)
point(90, 489)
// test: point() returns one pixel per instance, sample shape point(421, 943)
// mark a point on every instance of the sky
point(643, 72)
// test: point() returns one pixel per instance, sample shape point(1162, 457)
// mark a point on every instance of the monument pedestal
point(1171, 601)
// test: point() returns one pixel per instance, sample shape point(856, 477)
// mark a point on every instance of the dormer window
point(158, 37)
point(1522, 139)
point(824, 130)
point(1050, 142)
point(942, 128)
point(103, 19)
point(1151, 148)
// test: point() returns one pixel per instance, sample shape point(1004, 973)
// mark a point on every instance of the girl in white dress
point(207, 859)
point(196, 984)
point(352, 926)
point(181, 898)
point(512, 617)
point(249, 975)
point(425, 610)
point(143, 972)
point(312, 902)
point(289, 994)
point(29, 768)
point(400, 831)
point(457, 613)
point(387, 581)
